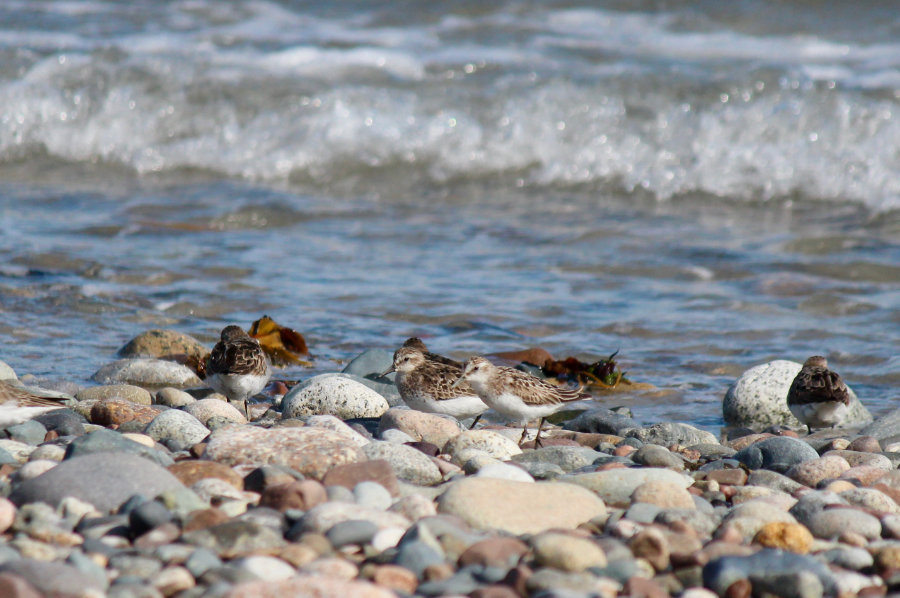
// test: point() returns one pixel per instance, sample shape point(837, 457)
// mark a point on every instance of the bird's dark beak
point(458, 381)
point(388, 371)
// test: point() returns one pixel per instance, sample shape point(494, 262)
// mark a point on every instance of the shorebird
point(428, 386)
point(18, 405)
point(237, 367)
point(515, 393)
point(818, 397)
point(414, 342)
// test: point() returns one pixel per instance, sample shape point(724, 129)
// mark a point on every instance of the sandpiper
point(237, 367)
point(18, 405)
point(818, 397)
point(414, 342)
point(516, 394)
point(428, 386)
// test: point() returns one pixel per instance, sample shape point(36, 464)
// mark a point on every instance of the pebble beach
point(149, 485)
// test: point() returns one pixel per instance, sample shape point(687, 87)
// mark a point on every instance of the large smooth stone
point(164, 343)
point(108, 441)
point(519, 507)
point(204, 409)
point(436, 429)
point(758, 398)
point(310, 451)
point(146, 372)
point(133, 394)
point(105, 480)
point(771, 569)
point(615, 486)
point(778, 453)
point(493, 443)
point(333, 394)
point(54, 579)
point(669, 433)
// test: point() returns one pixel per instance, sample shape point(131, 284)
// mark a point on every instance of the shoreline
point(133, 493)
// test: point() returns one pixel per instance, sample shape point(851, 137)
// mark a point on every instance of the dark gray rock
point(355, 531)
point(102, 479)
point(416, 555)
point(602, 421)
point(147, 516)
point(201, 561)
point(64, 421)
point(653, 455)
point(370, 364)
point(777, 454)
point(885, 427)
point(109, 441)
point(774, 570)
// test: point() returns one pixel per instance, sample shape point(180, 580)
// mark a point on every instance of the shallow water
point(703, 188)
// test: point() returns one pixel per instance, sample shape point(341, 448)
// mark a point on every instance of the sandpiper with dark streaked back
point(817, 396)
point(237, 367)
point(18, 405)
point(428, 386)
point(517, 394)
point(415, 342)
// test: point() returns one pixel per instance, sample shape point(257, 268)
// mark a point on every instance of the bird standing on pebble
point(818, 397)
point(237, 367)
point(516, 394)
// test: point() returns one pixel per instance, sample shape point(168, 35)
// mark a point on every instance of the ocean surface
point(703, 186)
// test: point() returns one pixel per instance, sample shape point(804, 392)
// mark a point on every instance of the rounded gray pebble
point(372, 494)
point(351, 532)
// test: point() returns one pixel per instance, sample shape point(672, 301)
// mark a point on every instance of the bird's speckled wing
point(241, 356)
point(23, 398)
point(818, 385)
point(436, 379)
point(534, 391)
point(435, 358)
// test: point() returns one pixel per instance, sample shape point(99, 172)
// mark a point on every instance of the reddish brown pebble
point(496, 552)
point(865, 444)
point(51, 435)
point(303, 495)
point(197, 450)
point(494, 591)
point(608, 466)
point(191, 471)
point(867, 474)
point(376, 470)
point(789, 434)
point(742, 588)
point(640, 587)
point(113, 412)
point(735, 477)
point(203, 519)
point(745, 441)
point(13, 586)
point(534, 355)
point(624, 450)
point(395, 577)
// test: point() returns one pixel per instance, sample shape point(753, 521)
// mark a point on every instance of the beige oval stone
point(615, 486)
point(427, 427)
point(519, 507)
point(870, 498)
point(567, 552)
point(169, 344)
point(493, 443)
point(311, 451)
point(126, 392)
point(667, 495)
point(812, 472)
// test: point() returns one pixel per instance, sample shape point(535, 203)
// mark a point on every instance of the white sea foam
point(262, 92)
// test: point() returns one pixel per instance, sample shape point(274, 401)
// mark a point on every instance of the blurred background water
point(703, 186)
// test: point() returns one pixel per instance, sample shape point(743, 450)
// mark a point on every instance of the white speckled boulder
point(758, 398)
point(333, 394)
